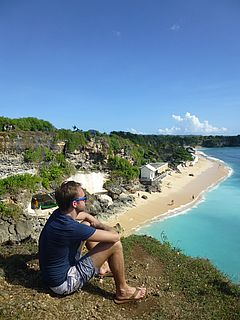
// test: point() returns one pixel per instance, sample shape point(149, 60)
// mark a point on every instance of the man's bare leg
point(104, 269)
point(112, 252)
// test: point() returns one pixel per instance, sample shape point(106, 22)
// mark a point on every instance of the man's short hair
point(66, 193)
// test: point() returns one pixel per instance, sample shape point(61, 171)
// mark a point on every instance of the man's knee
point(118, 246)
point(113, 246)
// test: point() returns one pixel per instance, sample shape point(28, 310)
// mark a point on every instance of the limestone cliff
point(18, 141)
point(92, 156)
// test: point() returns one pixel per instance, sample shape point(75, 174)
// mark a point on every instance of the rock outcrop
point(27, 226)
point(90, 158)
point(17, 142)
point(14, 164)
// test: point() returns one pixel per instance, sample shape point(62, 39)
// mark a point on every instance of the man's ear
point(74, 204)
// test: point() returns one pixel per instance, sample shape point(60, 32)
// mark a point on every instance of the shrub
point(55, 172)
point(123, 168)
point(9, 210)
point(74, 140)
point(31, 155)
point(28, 124)
point(14, 184)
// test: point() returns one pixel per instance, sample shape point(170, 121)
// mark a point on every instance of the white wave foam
point(215, 159)
point(184, 209)
point(230, 171)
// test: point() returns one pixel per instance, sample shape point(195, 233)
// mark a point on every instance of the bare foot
point(130, 294)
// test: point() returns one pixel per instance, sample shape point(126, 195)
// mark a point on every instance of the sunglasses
point(80, 199)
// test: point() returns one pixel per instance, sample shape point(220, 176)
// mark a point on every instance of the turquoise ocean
point(210, 229)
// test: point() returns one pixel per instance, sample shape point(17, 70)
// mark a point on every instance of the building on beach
point(153, 171)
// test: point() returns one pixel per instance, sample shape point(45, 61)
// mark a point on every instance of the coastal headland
point(180, 190)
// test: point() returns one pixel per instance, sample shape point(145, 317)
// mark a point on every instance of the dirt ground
point(24, 296)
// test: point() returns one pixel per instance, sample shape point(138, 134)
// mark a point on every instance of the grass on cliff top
point(179, 287)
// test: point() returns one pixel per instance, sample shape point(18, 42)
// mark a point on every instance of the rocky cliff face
point(91, 157)
point(12, 146)
point(28, 225)
point(25, 227)
point(11, 164)
point(17, 142)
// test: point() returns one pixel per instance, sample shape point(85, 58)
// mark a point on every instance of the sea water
point(211, 229)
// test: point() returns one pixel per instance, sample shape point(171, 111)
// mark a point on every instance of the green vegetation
point(11, 187)
point(120, 144)
point(74, 140)
point(31, 155)
point(14, 184)
point(155, 148)
point(165, 142)
point(140, 148)
point(125, 151)
point(54, 173)
point(121, 167)
point(27, 124)
point(53, 167)
point(10, 210)
point(180, 155)
point(200, 290)
point(54, 170)
point(178, 287)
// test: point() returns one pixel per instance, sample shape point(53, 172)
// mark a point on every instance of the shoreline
point(180, 192)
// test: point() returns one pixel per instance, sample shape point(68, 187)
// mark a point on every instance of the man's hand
point(95, 223)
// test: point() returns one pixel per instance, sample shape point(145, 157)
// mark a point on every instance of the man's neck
point(71, 213)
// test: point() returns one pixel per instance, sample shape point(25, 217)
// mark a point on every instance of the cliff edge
point(179, 287)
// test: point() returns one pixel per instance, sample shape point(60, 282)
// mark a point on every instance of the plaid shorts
point(77, 276)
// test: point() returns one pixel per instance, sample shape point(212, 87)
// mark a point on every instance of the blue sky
point(145, 66)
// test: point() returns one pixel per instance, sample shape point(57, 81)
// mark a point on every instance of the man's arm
point(103, 232)
point(104, 236)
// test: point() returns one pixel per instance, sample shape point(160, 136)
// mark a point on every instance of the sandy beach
point(179, 191)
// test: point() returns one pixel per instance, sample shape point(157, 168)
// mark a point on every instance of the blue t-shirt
point(58, 245)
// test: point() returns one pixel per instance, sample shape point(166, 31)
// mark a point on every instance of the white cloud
point(174, 27)
point(190, 124)
point(132, 130)
point(178, 118)
point(172, 130)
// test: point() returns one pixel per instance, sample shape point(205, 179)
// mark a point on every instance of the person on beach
point(63, 267)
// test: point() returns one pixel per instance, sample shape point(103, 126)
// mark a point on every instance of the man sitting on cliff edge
point(63, 269)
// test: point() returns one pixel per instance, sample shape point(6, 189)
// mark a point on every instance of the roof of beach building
point(190, 149)
point(154, 166)
point(157, 165)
